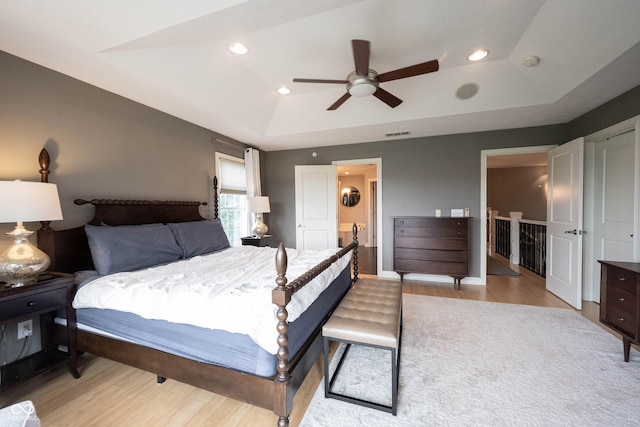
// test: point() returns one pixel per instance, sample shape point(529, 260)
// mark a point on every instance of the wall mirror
point(350, 196)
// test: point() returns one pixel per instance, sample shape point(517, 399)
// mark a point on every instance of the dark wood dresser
point(619, 302)
point(431, 245)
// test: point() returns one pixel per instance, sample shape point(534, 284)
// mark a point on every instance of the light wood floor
point(111, 394)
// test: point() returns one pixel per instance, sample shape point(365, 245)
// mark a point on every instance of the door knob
point(574, 231)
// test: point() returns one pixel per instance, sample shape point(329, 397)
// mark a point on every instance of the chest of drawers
point(619, 300)
point(431, 245)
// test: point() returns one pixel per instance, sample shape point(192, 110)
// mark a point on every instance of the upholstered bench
point(370, 315)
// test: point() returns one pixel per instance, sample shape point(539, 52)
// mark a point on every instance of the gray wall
point(615, 111)
point(522, 189)
point(419, 176)
point(101, 145)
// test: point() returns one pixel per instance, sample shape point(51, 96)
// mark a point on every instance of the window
point(233, 197)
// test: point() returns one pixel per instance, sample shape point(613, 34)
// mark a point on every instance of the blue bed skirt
point(230, 350)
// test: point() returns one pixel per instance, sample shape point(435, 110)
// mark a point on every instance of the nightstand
point(50, 292)
point(267, 240)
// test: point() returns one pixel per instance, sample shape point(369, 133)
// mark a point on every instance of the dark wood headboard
point(69, 249)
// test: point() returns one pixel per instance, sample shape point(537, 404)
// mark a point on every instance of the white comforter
point(228, 290)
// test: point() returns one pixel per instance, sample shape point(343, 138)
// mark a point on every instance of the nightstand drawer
point(623, 321)
point(621, 278)
point(621, 300)
point(24, 306)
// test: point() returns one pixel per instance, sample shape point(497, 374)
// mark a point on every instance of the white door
point(316, 207)
point(564, 222)
point(614, 200)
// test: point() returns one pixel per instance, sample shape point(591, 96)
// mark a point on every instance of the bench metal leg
point(329, 379)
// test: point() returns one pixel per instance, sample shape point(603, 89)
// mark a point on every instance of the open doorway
point(504, 158)
point(363, 176)
point(516, 187)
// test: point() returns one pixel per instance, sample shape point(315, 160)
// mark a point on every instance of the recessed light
point(478, 55)
point(238, 48)
point(283, 90)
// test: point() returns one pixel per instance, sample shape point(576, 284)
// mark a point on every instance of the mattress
point(227, 349)
point(228, 290)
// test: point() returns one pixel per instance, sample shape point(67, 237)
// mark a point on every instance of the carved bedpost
point(215, 198)
point(281, 295)
point(354, 230)
point(45, 233)
point(45, 162)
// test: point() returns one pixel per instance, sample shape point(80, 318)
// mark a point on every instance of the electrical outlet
point(25, 329)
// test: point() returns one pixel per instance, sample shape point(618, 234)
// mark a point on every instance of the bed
point(272, 376)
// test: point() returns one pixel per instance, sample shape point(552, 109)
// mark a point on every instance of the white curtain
point(252, 168)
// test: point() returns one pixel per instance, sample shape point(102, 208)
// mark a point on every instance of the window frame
point(241, 225)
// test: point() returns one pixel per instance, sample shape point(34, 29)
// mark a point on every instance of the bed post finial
point(215, 198)
point(45, 162)
point(354, 230)
point(281, 296)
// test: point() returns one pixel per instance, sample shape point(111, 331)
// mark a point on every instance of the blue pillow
point(200, 237)
point(131, 247)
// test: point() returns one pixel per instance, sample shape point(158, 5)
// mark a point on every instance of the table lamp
point(25, 201)
point(259, 205)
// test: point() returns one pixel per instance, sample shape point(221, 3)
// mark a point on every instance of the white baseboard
point(432, 278)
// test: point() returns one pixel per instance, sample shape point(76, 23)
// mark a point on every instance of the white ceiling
point(172, 55)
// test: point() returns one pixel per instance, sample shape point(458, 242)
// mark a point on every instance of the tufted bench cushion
point(370, 314)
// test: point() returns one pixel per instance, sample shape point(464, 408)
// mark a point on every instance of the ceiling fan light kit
point(365, 81)
point(362, 85)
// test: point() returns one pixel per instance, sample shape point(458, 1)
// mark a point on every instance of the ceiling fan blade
point(340, 101)
point(413, 70)
point(318, 81)
point(384, 96)
point(361, 55)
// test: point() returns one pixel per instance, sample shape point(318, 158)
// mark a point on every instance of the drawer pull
point(621, 299)
point(621, 279)
point(401, 231)
point(621, 319)
point(31, 304)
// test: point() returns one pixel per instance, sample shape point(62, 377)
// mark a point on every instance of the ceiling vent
point(393, 134)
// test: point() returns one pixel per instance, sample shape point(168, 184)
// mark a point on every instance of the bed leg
point(161, 379)
point(283, 422)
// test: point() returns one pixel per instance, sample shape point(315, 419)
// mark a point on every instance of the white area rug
point(474, 363)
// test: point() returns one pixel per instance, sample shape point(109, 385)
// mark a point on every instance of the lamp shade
point(259, 204)
point(24, 201)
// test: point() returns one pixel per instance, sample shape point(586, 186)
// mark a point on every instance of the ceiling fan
point(365, 81)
